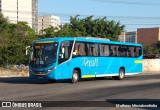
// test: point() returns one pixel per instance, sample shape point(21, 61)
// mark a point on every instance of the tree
point(13, 40)
point(88, 27)
point(48, 32)
point(158, 44)
point(93, 27)
point(152, 49)
point(4, 38)
point(4, 28)
point(22, 36)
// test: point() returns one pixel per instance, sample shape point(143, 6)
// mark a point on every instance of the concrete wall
point(151, 66)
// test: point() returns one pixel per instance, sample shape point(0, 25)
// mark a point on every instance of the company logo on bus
point(89, 63)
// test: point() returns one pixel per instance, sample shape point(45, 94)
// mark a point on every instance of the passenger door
point(63, 60)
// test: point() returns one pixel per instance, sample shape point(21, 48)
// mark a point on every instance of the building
point(128, 37)
point(148, 36)
point(21, 10)
point(131, 37)
point(122, 36)
point(47, 21)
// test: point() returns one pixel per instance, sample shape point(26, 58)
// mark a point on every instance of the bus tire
point(121, 74)
point(75, 76)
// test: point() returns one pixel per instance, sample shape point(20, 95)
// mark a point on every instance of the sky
point(132, 13)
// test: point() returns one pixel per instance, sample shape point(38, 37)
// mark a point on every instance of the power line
point(129, 21)
point(101, 16)
point(143, 24)
point(82, 15)
point(130, 3)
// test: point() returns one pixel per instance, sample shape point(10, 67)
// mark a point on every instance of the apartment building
point(131, 37)
point(148, 36)
point(47, 21)
point(122, 36)
point(21, 10)
point(128, 37)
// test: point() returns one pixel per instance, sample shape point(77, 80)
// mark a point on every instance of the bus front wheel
point(75, 76)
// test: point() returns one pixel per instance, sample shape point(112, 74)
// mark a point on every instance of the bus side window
point(123, 51)
point(138, 50)
point(81, 49)
point(89, 51)
point(65, 51)
point(106, 50)
point(114, 49)
point(76, 49)
point(101, 48)
point(127, 52)
point(111, 50)
point(95, 50)
point(135, 55)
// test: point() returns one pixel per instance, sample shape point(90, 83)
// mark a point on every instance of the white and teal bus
point(83, 57)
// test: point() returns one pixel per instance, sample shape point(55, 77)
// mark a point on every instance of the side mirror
point(27, 49)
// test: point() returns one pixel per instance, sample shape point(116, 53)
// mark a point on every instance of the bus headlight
point(51, 69)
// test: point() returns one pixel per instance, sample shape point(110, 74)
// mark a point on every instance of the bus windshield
point(43, 54)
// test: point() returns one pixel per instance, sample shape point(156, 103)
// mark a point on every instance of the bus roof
point(85, 39)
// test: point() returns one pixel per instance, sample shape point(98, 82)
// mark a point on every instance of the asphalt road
point(134, 87)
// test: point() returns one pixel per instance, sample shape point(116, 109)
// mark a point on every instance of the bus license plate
point(40, 77)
